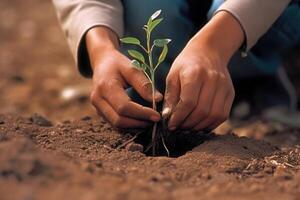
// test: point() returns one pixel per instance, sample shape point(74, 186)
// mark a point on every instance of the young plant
point(147, 65)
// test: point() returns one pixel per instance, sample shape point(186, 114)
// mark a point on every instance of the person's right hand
point(112, 73)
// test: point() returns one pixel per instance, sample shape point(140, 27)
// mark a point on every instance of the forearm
point(78, 16)
point(223, 35)
point(255, 16)
point(98, 40)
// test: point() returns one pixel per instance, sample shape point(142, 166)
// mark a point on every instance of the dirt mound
point(81, 160)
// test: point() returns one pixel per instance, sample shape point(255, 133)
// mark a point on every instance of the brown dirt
point(80, 160)
point(70, 156)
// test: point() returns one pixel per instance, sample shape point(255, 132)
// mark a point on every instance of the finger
point(138, 80)
point(205, 100)
point(216, 114)
point(227, 109)
point(189, 93)
point(112, 117)
point(172, 93)
point(116, 96)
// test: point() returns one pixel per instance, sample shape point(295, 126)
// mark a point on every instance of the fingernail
point(158, 96)
point(155, 118)
point(166, 112)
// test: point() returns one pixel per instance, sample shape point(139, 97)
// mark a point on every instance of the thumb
point(137, 79)
point(172, 94)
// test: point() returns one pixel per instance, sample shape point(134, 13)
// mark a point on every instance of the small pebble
point(98, 163)
point(133, 147)
point(40, 120)
point(283, 173)
point(86, 118)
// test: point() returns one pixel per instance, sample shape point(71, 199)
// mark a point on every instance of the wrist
point(100, 41)
point(222, 35)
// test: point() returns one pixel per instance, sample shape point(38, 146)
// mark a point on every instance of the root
point(164, 144)
point(156, 134)
point(154, 139)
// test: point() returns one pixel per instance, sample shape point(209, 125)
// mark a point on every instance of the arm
point(78, 16)
point(92, 29)
point(254, 16)
point(199, 91)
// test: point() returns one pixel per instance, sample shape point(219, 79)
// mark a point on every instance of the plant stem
point(154, 108)
point(152, 72)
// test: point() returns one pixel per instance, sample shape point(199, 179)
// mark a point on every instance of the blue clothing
point(263, 59)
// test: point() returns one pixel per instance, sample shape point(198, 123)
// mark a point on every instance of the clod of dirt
point(40, 120)
point(133, 147)
point(283, 173)
point(18, 79)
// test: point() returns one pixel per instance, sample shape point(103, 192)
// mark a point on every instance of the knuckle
point(213, 74)
point(121, 109)
point(93, 98)
point(104, 86)
point(101, 84)
point(146, 87)
point(108, 85)
point(187, 72)
point(136, 75)
point(222, 77)
point(117, 122)
point(170, 80)
point(188, 103)
point(170, 84)
point(203, 112)
point(171, 77)
point(214, 116)
point(194, 69)
point(232, 92)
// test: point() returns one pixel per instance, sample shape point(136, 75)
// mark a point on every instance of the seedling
point(147, 65)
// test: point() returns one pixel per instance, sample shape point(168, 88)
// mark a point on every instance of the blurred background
point(38, 74)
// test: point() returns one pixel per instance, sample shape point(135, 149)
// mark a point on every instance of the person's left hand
point(199, 91)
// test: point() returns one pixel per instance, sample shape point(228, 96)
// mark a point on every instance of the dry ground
point(72, 156)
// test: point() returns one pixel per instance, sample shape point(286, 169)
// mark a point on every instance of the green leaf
point(155, 15)
point(140, 66)
point(137, 55)
point(163, 54)
point(136, 64)
point(161, 42)
point(145, 66)
point(153, 24)
point(130, 40)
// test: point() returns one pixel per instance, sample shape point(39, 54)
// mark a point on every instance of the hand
point(199, 91)
point(112, 73)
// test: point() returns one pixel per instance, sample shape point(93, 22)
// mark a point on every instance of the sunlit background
point(38, 74)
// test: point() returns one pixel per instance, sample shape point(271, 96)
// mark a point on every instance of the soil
point(67, 152)
point(81, 160)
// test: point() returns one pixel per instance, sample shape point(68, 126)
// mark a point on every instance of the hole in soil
point(178, 143)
